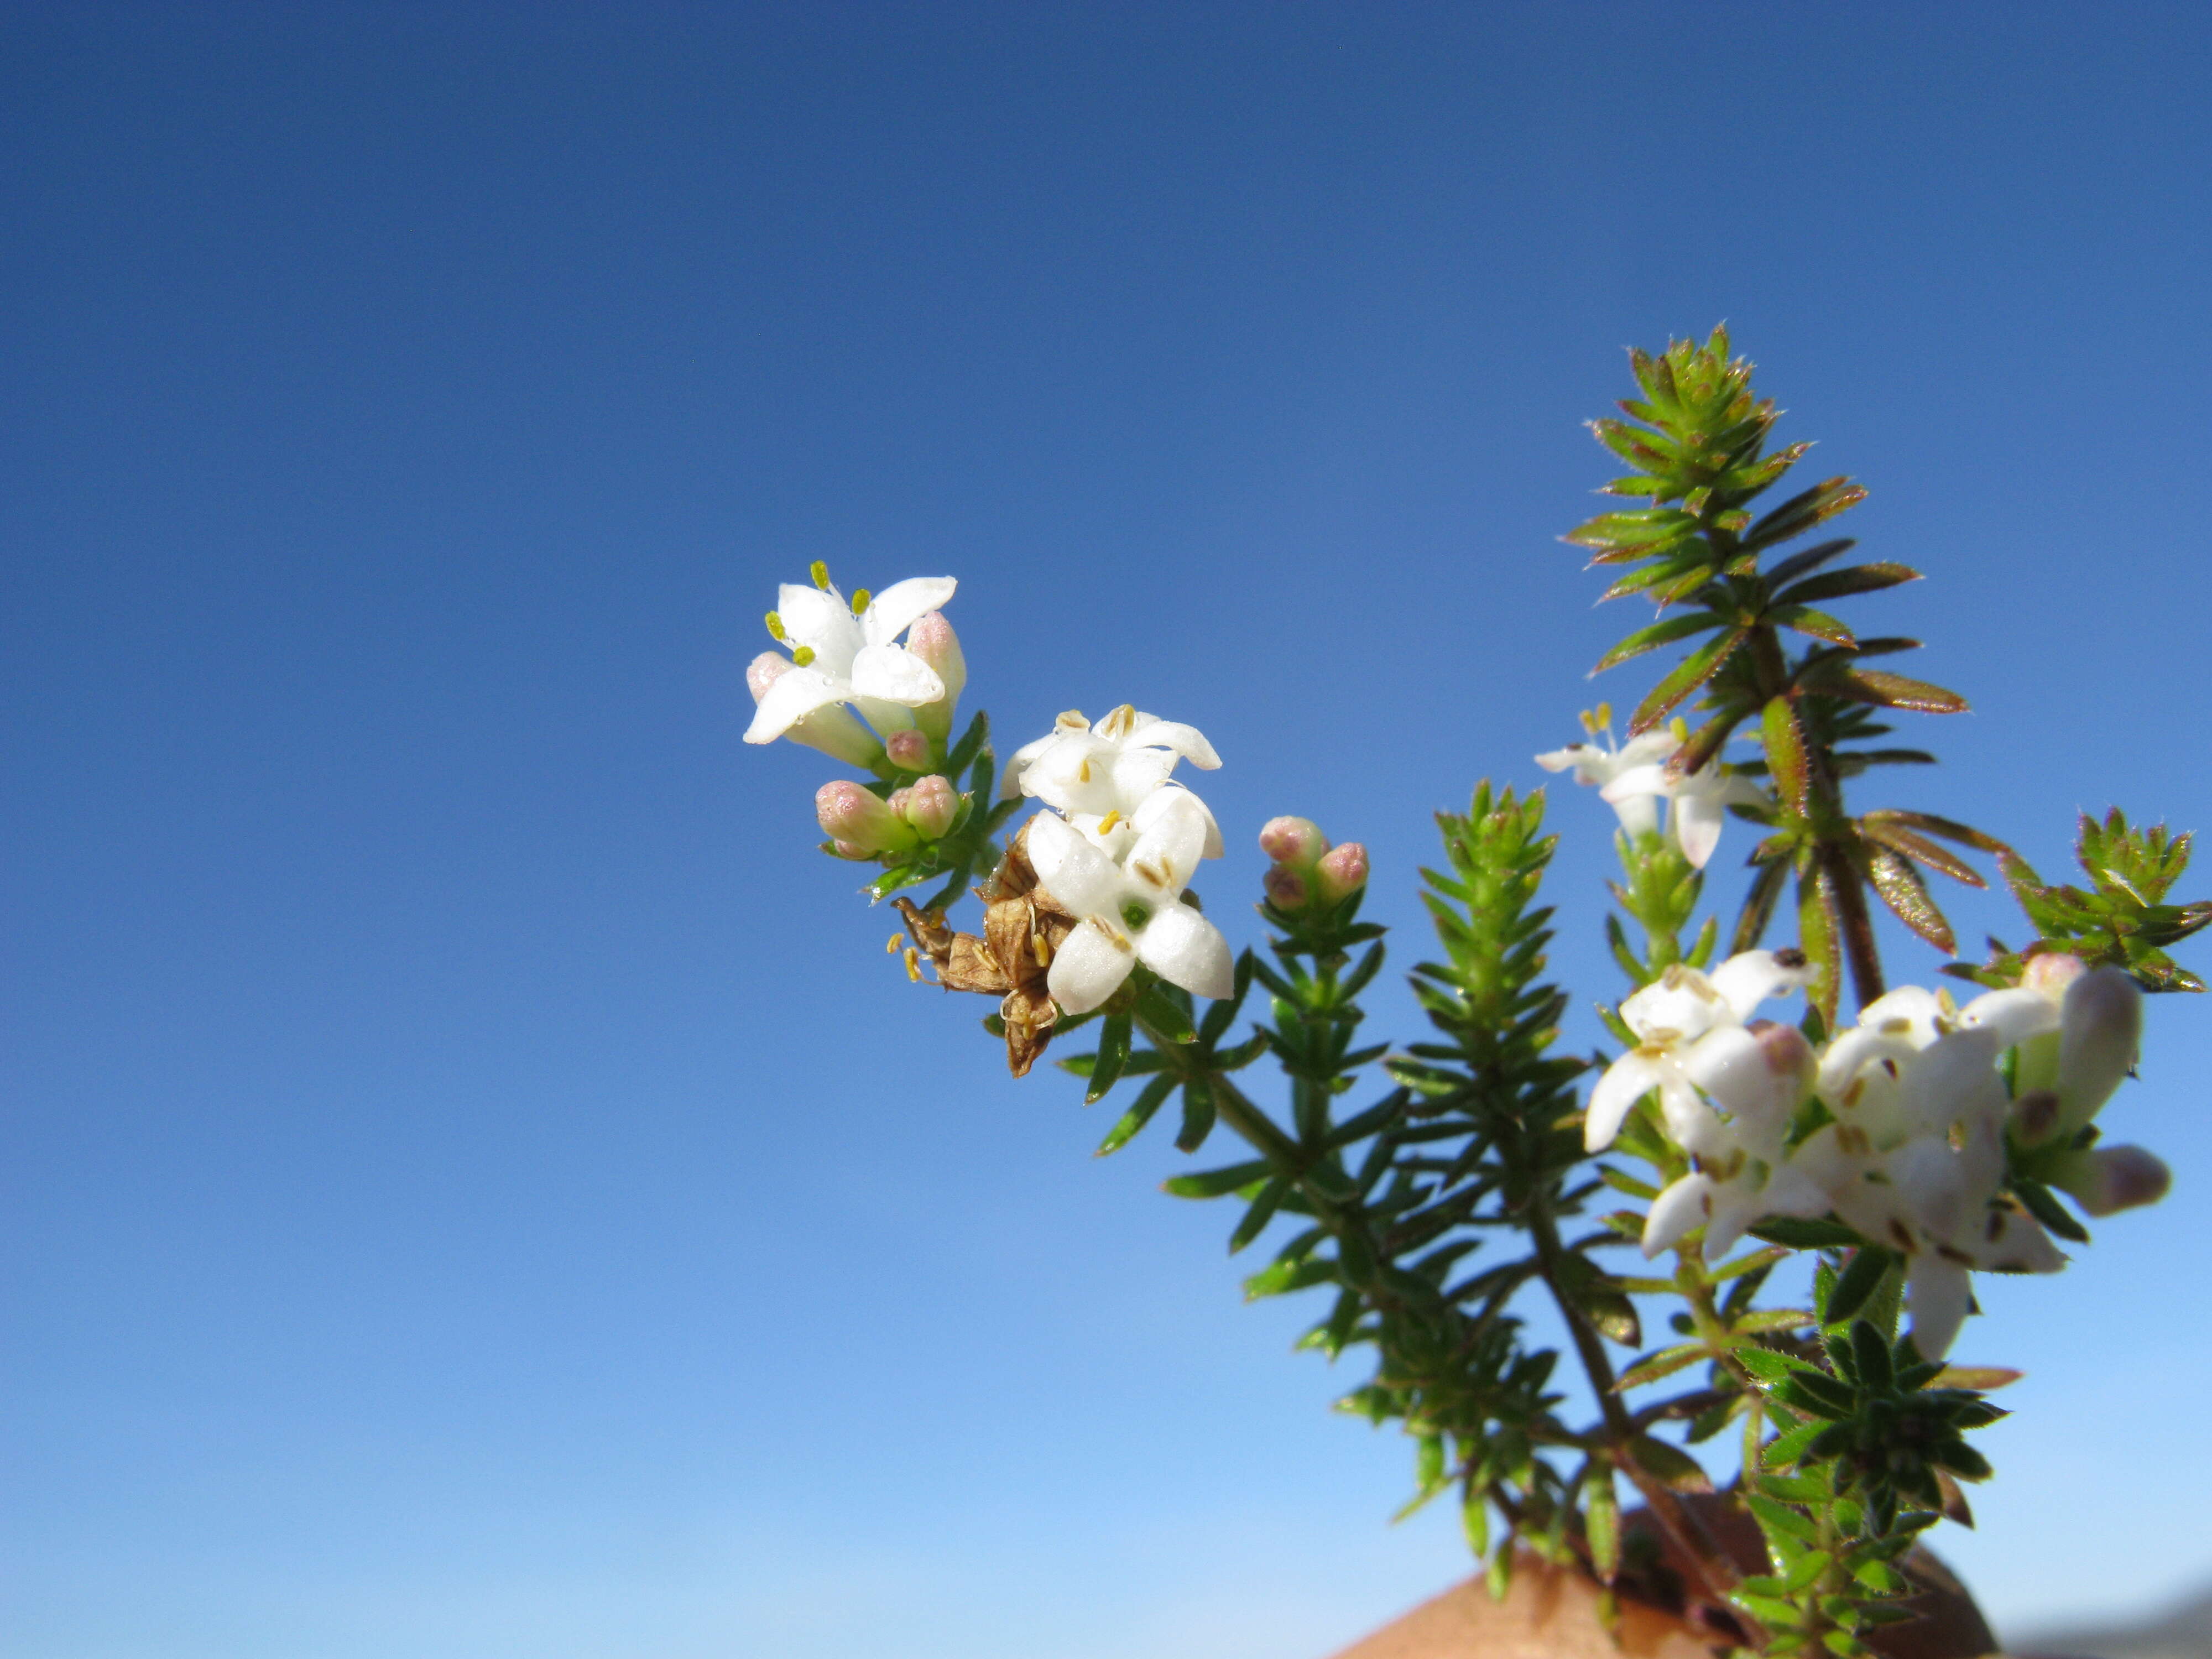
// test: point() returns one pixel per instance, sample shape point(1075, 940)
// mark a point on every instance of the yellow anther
point(1119, 721)
point(803, 656)
point(1591, 724)
point(1110, 821)
point(913, 965)
point(1041, 950)
point(1680, 728)
point(820, 572)
point(1082, 772)
point(891, 948)
point(1070, 719)
point(775, 626)
point(860, 597)
point(1604, 714)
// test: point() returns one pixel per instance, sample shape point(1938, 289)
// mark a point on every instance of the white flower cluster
point(846, 653)
point(1922, 1098)
point(1117, 849)
point(1633, 780)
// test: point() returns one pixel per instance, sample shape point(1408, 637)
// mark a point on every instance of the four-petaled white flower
point(1600, 765)
point(1700, 801)
point(1129, 911)
point(841, 658)
point(1753, 1078)
point(1672, 1018)
point(1095, 770)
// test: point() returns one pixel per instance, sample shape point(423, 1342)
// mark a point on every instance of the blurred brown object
point(1552, 1613)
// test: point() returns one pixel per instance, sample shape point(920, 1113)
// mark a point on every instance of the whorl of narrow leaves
point(2122, 919)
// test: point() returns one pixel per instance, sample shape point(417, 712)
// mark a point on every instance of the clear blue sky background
point(474, 1184)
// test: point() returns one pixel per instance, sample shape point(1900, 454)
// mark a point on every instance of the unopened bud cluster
point(1305, 869)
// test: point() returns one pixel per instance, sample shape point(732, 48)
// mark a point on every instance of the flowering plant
point(1891, 1157)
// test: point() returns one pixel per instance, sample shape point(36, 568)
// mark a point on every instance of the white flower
point(1593, 764)
point(1753, 1080)
point(1700, 800)
point(1130, 911)
point(1109, 766)
point(841, 658)
point(1915, 1159)
point(1670, 1018)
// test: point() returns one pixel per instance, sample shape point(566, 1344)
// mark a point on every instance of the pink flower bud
point(854, 816)
point(2111, 1179)
point(845, 849)
point(2051, 972)
point(909, 750)
point(1342, 871)
point(1285, 888)
point(2099, 1028)
point(932, 638)
point(1298, 842)
point(931, 805)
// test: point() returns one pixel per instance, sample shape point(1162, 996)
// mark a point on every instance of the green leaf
point(1758, 911)
point(1806, 1572)
point(1683, 681)
point(1601, 1519)
point(1260, 1213)
point(1665, 1363)
point(1113, 1054)
point(1801, 1235)
point(1817, 625)
point(1659, 633)
point(1669, 1463)
point(1788, 1446)
point(1198, 1114)
point(1783, 736)
point(2043, 1204)
point(1164, 1015)
point(1281, 1277)
point(1860, 1280)
point(1154, 1096)
point(1887, 690)
point(1841, 583)
point(1215, 1183)
point(1823, 501)
point(1906, 895)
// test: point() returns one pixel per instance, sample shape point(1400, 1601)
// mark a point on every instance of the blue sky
point(475, 1184)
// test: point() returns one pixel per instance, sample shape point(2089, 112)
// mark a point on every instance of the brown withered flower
point(1022, 927)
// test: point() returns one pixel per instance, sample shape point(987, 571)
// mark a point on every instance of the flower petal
point(1169, 847)
point(1697, 821)
point(1089, 967)
point(1681, 1002)
point(1952, 1081)
point(2014, 1014)
point(1135, 773)
point(1675, 1212)
point(1626, 1081)
point(1019, 763)
point(894, 674)
point(1940, 1293)
point(1162, 800)
point(1082, 880)
point(1750, 977)
point(1185, 948)
point(1188, 741)
point(792, 697)
point(1638, 780)
point(821, 621)
point(899, 606)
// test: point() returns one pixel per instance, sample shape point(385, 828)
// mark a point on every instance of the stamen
point(1107, 823)
point(775, 628)
point(892, 948)
point(1082, 772)
point(1070, 719)
point(820, 572)
point(913, 965)
point(1040, 950)
point(803, 656)
point(1605, 715)
point(860, 597)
